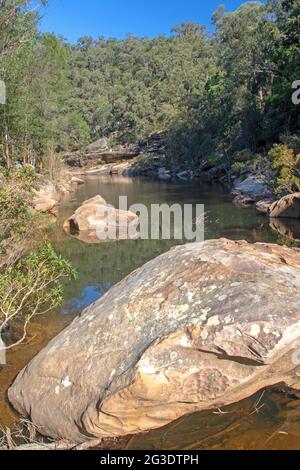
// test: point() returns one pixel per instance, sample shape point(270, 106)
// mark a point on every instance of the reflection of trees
point(107, 264)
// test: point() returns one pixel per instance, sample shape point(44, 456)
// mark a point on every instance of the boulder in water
point(198, 328)
point(287, 207)
point(95, 219)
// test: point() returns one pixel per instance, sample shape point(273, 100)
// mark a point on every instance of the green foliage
point(239, 166)
point(25, 175)
point(14, 214)
point(247, 102)
point(245, 155)
point(19, 225)
point(32, 287)
point(39, 112)
point(287, 165)
point(11, 205)
point(214, 95)
point(136, 86)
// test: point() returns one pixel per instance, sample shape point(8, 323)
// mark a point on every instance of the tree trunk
point(6, 152)
point(26, 150)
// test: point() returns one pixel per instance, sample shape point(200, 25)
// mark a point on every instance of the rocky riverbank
point(251, 183)
point(48, 194)
point(28, 203)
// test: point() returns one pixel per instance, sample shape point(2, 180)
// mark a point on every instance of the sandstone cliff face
point(200, 327)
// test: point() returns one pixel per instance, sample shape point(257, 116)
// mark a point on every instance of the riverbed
point(269, 420)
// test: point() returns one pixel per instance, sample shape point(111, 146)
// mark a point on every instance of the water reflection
point(287, 228)
point(101, 266)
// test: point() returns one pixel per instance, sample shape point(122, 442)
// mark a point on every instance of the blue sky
point(116, 18)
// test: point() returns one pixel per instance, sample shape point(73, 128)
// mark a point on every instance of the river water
point(269, 420)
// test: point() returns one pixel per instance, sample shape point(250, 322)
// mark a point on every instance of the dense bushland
point(215, 94)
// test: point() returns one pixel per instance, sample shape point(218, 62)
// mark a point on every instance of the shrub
point(292, 141)
point(239, 166)
point(286, 164)
point(14, 214)
point(32, 287)
point(53, 167)
point(244, 156)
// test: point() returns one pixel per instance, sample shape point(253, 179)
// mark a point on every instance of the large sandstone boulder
point(287, 207)
point(91, 222)
point(198, 328)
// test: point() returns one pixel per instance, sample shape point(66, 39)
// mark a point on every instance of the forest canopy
point(214, 94)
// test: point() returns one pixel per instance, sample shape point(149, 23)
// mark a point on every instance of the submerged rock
point(198, 328)
point(95, 218)
point(287, 207)
point(185, 175)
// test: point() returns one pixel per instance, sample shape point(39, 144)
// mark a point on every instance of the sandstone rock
point(74, 159)
point(287, 207)
point(242, 202)
point(46, 198)
point(76, 180)
point(254, 187)
point(215, 173)
point(264, 206)
point(97, 146)
point(147, 165)
point(198, 328)
point(96, 217)
point(44, 205)
point(119, 169)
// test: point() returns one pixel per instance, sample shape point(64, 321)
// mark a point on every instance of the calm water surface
point(271, 419)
